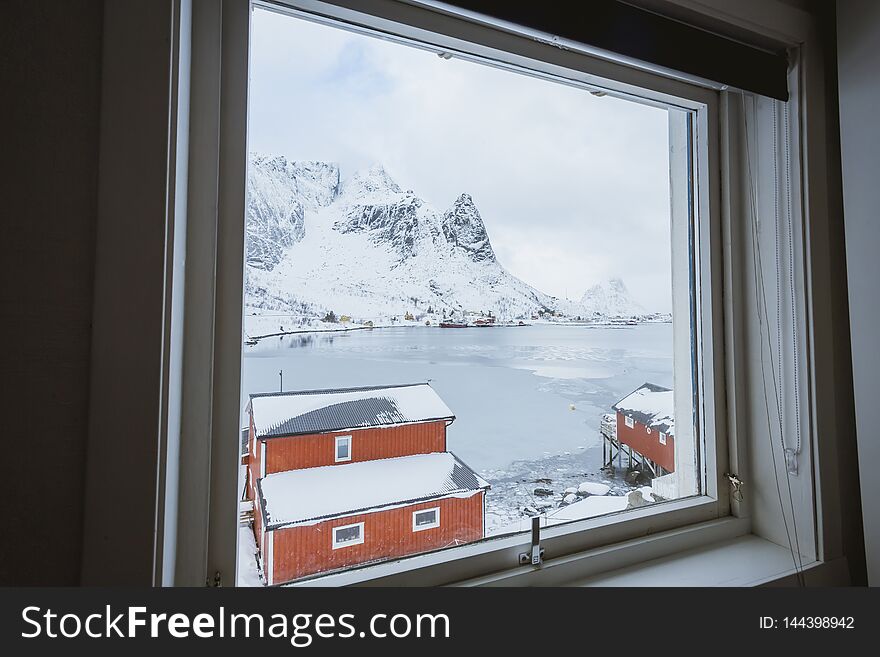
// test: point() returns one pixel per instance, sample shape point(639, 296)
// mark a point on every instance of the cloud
point(572, 188)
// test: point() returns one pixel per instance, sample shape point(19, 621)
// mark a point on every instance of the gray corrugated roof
point(290, 414)
point(464, 478)
point(368, 412)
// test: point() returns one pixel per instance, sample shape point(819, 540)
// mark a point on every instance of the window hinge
point(737, 484)
point(536, 555)
point(218, 581)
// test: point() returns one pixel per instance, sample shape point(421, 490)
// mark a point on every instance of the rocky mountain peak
point(612, 298)
point(463, 228)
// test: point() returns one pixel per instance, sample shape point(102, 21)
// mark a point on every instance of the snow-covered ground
point(557, 487)
point(248, 571)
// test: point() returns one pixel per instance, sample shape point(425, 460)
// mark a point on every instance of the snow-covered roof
point(315, 494)
point(652, 405)
point(315, 411)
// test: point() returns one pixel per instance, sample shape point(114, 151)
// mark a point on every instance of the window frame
point(193, 459)
point(629, 422)
point(348, 441)
point(337, 545)
point(433, 525)
point(503, 48)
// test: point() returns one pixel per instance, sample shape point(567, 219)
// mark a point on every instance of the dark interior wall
point(50, 76)
point(858, 29)
point(839, 347)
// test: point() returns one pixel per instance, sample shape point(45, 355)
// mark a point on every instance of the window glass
point(343, 448)
point(426, 519)
point(470, 270)
point(348, 535)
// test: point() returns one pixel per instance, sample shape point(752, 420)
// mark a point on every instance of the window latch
point(737, 485)
point(536, 555)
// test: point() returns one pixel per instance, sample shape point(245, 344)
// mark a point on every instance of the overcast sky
point(572, 188)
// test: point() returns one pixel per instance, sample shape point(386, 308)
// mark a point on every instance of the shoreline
point(253, 340)
point(256, 338)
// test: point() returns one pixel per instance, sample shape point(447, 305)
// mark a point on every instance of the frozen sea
point(519, 393)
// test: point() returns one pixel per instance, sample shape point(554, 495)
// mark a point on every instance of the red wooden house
point(645, 422)
point(349, 476)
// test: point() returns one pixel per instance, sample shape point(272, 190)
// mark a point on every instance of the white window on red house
point(426, 519)
point(343, 448)
point(662, 438)
point(629, 422)
point(348, 535)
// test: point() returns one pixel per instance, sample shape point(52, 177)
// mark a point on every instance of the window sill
point(653, 531)
point(747, 561)
point(743, 561)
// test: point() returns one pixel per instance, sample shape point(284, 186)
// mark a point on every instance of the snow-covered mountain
point(366, 248)
point(610, 299)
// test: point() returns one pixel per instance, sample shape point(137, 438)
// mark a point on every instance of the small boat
point(452, 325)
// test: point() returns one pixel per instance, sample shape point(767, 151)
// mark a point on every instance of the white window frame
point(661, 437)
point(346, 440)
point(344, 544)
point(436, 523)
point(628, 421)
point(219, 53)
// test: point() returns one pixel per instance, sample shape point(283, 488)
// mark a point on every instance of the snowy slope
point(364, 247)
point(610, 299)
point(279, 195)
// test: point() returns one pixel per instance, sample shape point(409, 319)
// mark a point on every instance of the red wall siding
point(647, 444)
point(296, 452)
point(306, 550)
